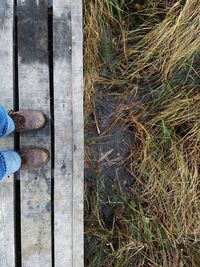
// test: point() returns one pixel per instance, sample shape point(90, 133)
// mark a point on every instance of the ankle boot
point(33, 158)
point(27, 120)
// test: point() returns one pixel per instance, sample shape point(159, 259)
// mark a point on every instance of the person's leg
point(21, 121)
point(7, 125)
point(10, 161)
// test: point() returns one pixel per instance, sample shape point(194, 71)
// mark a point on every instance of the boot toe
point(40, 119)
point(45, 156)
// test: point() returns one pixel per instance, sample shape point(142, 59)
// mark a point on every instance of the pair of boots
point(32, 158)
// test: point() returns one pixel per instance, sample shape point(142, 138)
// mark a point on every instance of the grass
point(149, 50)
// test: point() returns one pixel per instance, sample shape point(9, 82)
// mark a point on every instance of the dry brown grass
point(98, 15)
point(159, 224)
point(91, 50)
point(171, 43)
point(165, 160)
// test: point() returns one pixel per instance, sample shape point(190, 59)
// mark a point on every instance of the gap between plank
point(51, 88)
point(17, 204)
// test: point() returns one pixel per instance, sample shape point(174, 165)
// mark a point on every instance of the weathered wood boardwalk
point(41, 214)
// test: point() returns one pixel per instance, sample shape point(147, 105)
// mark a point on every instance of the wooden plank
point(7, 242)
point(63, 187)
point(78, 150)
point(34, 93)
point(68, 197)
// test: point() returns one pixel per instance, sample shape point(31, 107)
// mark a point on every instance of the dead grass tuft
point(171, 43)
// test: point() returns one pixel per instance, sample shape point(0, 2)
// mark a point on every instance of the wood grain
point(33, 72)
point(34, 93)
point(78, 149)
point(63, 185)
point(7, 242)
point(68, 191)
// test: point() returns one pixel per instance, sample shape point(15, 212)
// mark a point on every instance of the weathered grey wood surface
point(34, 93)
point(7, 242)
point(68, 191)
point(63, 174)
point(78, 150)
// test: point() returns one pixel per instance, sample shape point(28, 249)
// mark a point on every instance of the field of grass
point(149, 53)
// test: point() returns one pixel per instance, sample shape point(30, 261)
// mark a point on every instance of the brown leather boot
point(27, 120)
point(33, 158)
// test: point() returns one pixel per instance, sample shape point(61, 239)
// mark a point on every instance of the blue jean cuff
point(10, 125)
point(7, 125)
point(10, 163)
